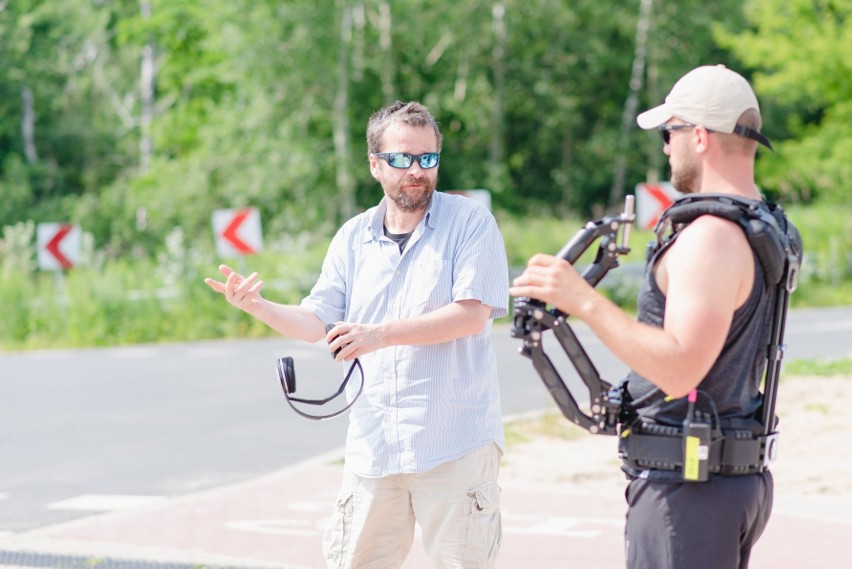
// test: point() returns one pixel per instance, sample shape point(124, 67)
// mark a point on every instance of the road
point(85, 431)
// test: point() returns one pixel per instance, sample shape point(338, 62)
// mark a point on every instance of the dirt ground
point(813, 453)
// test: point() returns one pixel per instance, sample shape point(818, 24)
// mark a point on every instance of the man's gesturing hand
point(242, 292)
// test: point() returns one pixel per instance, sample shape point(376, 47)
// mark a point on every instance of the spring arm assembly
point(532, 318)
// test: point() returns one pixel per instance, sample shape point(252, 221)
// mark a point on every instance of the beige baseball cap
point(711, 96)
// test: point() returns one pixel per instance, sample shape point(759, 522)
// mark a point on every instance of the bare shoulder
point(711, 234)
point(713, 255)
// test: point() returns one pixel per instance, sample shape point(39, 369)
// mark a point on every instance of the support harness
point(699, 447)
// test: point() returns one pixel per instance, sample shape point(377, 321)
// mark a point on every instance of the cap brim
point(653, 118)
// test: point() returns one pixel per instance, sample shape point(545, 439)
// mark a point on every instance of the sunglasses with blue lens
point(404, 160)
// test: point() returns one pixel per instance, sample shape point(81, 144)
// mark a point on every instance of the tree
point(800, 51)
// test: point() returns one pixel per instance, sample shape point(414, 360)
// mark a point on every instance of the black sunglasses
point(404, 160)
point(742, 130)
point(666, 130)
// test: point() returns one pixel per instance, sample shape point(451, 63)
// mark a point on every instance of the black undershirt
point(400, 239)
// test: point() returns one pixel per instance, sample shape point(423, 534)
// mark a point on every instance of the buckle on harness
point(732, 452)
point(769, 448)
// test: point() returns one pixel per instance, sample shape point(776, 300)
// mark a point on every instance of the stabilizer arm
point(532, 319)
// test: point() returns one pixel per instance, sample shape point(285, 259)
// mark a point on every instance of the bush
point(128, 301)
point(107, 302)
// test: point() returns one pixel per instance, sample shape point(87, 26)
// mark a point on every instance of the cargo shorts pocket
point(335, 542)
point(485, 527)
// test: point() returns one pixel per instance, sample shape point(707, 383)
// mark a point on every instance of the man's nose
point(415, 168)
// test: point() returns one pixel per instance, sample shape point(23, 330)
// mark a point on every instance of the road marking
point(582, 528)
point(573, 527)
point(314, 507)
point(276, 527)
point(134, 352)
point(820, 327)
point(106, 502)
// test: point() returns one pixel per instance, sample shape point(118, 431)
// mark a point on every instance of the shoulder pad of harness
point(773, 238)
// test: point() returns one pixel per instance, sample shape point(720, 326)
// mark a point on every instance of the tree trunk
point(642, 25)
point(146, 88)
point(387, 68)
point(497, 147)
point(656, 158)
point(342, 149)
point(28, 125)
point(359, 23)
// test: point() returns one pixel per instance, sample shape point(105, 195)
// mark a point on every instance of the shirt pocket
point(430, 285)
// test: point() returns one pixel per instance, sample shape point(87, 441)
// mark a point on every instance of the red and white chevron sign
point(651, 201)
point(58, 245)
point(237, 231)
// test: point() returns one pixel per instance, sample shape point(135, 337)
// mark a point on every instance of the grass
point(820, 367)
point(107, 301)
point(550, 424)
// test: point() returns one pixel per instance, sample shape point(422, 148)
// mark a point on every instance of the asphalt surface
point(273, 517)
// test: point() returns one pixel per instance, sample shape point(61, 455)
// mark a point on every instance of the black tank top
point(734, 380)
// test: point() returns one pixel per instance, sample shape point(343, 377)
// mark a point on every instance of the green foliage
point(110, 301)
point(141, 301)
point(800, 49)
point(550, 424)
point(826, 277)
point(263, 103)
point(246, 94)
point(819, 367)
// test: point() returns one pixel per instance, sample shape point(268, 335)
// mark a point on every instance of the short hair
point(412, 114)
point(737, 144)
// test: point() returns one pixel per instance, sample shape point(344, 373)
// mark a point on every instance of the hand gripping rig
point(532, 318)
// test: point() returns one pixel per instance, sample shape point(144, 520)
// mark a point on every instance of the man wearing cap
point(703, 314)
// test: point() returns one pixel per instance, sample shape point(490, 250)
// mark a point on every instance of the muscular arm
point(458, 319)
point(705, 275)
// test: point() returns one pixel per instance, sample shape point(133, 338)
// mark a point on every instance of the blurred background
point(125, 125)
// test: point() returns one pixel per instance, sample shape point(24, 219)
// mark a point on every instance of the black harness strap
point(778, 246)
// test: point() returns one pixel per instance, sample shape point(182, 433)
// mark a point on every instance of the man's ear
point(701, 138)
point(374, 167)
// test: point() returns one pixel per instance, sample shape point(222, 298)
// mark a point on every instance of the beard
point(410, 200)
point(687, 177)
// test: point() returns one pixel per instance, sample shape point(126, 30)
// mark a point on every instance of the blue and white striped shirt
point(426, 405)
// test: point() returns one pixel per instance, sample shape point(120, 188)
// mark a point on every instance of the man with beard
point(702, 328)
point(410, 287)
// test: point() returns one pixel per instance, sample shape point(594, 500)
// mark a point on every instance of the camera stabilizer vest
point(729, 449)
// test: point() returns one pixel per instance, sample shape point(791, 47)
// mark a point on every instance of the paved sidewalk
point(276, 522)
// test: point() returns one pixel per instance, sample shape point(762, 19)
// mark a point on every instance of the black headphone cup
point(288, 368)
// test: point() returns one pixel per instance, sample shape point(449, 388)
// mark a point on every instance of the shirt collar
point(375, 229)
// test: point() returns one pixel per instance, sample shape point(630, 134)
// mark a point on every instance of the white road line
point(297, 527)
point(134, 352)
point(837, 326)
point(106, 502)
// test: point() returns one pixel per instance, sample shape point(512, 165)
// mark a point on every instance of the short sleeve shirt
point(422, 405)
